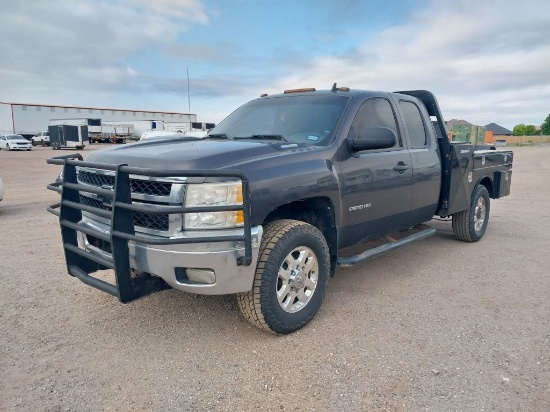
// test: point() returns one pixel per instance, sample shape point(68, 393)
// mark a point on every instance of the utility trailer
point(117, 132)
point(68, 136)
point(93, 127)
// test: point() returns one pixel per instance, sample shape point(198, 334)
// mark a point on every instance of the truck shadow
point(174, 315)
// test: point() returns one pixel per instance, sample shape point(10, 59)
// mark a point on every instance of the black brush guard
point(81, 263)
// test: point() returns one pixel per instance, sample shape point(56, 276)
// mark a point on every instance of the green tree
point(530, 130)
point(545, 127)
point(519, 130)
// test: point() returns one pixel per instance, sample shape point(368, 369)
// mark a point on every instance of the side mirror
point(373, 138)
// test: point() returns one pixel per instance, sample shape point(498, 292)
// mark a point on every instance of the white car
point(14, 142)
point(1, 190)
point(42, 138)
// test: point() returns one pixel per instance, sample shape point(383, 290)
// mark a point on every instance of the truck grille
point(148, 221)
point(145, 187)
point(156, 192)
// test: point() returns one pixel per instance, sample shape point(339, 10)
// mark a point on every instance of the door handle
point(401, 167)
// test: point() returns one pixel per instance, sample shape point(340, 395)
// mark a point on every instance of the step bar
point(391, 244)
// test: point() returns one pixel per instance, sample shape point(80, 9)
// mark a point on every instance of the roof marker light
point(307, 89)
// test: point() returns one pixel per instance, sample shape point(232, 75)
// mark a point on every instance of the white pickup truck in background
point(41, 138)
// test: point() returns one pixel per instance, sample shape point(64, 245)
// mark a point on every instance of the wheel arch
point(488, 183)
point(318, 212)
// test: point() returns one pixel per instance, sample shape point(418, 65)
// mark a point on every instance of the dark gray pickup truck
point(273, 199)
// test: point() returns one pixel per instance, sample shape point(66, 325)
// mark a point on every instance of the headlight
point(214, 194)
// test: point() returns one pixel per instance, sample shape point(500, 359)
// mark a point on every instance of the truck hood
point(180, 154)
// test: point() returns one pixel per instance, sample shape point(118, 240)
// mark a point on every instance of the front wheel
point(8, 147)
point(291, 277)
point(470, 225)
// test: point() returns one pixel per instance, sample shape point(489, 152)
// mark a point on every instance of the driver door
point(375, 185)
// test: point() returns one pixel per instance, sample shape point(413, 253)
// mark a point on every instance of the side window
point(414, 124)
point(375, 112)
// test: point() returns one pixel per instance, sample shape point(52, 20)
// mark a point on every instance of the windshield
point(15, 137)
point(297, 119)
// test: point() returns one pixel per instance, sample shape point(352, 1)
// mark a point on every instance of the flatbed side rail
point(81, 263)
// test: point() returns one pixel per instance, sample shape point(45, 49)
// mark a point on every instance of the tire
point(8, 147)
point(470, 225)
point(33, 143)
point(284, 297)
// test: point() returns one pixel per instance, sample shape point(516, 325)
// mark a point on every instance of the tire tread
point(250, 302)
point(462, 221)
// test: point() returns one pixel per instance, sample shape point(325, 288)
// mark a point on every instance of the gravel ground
point(439, 325)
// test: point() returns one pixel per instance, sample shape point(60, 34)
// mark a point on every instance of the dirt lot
point(439, 325)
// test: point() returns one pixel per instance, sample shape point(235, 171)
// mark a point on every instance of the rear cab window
point(414, 124)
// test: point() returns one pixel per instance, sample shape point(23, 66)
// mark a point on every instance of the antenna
point(334, 88)
point(188, 98)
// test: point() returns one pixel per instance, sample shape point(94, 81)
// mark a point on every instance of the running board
point(417, 233)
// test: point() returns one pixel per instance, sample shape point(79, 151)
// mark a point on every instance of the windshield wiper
point(216, 136)
point(263, 136)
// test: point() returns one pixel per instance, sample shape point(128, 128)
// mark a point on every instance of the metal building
point(28, 119)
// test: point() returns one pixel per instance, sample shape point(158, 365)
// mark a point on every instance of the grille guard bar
point(81, 263)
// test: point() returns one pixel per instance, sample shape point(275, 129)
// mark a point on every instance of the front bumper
point(170, 262)
point(120, 223)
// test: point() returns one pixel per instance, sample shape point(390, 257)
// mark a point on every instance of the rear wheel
point(291, 277)
point(470, 225)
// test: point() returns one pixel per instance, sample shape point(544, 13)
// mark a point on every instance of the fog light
point(201, 275)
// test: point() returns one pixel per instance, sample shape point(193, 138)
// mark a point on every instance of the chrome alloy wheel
point(297, 279)
point(479, 214)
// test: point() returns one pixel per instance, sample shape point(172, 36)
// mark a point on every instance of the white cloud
point(474, 56)
point(485, 61)
point(77, 50)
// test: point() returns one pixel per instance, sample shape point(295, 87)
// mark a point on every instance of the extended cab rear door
point(425, 160)
point(375, 185)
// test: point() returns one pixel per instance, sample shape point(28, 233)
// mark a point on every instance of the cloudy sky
point(486, 61)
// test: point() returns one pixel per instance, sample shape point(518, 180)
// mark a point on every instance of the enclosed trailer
point(65, 135)
point(93, 125)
